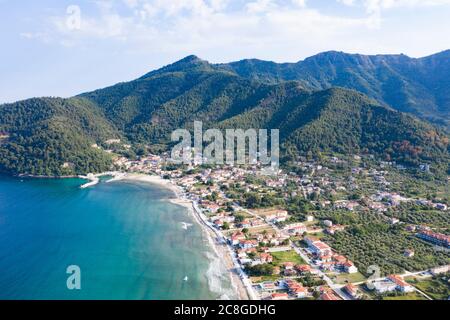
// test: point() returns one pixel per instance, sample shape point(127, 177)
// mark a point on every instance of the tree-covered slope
point(418, 86)
point(148, 109)
point(53, 137)
point(347, 122)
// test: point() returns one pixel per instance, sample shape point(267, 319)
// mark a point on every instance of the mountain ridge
point(415, 85)
point(55, 136)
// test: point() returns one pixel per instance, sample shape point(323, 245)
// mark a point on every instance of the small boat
point(186, 278)
point(186, 225)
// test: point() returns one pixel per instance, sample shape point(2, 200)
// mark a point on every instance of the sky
point(63, 48)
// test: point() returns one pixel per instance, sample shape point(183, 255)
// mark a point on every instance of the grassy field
point(349, 277)
point(286, 256)
point(261, 229)
point(436, 288)
point(318, 235)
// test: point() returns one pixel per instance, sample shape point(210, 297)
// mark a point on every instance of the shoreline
point(216, 241)
point(219, 246)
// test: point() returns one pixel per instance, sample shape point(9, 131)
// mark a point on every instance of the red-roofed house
point(288, 265)
point(320, 248)
point(266, 258)
point(279, 296)
point(303, 268)
point(236, 238)
point(402, 285)
point(352, 291)
point(296, 289)
point(328, 296)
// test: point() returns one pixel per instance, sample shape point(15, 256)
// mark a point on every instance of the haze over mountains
point(332, 102)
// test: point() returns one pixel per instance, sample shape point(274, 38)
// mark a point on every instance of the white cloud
point(299, 3)
point(377, 5)
point(260, 6)
point(131, 3)
point(202, 20)
point(254, 28)
point(347, 2)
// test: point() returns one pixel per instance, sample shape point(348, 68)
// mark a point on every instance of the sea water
point(128, 240)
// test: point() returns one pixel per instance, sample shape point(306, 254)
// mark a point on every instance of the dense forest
point(53, 136)
point(417, 86)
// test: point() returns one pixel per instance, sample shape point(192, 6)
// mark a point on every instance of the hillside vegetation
point(53, 136)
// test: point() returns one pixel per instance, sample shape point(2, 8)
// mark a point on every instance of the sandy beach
point(220, 248)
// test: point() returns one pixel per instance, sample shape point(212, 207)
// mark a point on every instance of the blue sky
point(62, 48)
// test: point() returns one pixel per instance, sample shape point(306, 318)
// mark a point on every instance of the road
point(335, 287)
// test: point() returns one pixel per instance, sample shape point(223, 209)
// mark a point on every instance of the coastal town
point(334, 229)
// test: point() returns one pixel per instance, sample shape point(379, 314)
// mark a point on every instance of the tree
point(260, 270)
point(239, 218)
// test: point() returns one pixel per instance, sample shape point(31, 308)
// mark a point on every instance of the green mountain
point(52, 136)
point(418, 86)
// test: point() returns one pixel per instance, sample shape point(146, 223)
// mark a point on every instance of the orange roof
point(398, 280)
point(279, 295)
point(288, 264)
point(303, 267)
point(299, 289)
point(340, 258)
point(351, 288)
point(328, 296)
point(435, 235)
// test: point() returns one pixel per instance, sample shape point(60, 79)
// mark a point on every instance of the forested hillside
point(53, 136)
point(418, 86)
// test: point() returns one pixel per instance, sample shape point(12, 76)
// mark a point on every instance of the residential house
point(296, 289)
point(349, 267)
point(384, 286)
point(402, 285)
point(279, 296)
point(268, 286)
point(352, 291)
point(329, 295)
point(409, 253)
point(276, 216)
point(248, 244)
point(236, 238)
point(434, 237)
point(318, 247)
point(295, 228)
point(266, 257)
point(303, 268)
point(211, 207)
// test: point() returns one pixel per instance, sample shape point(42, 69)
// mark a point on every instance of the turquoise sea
point(126, 237)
